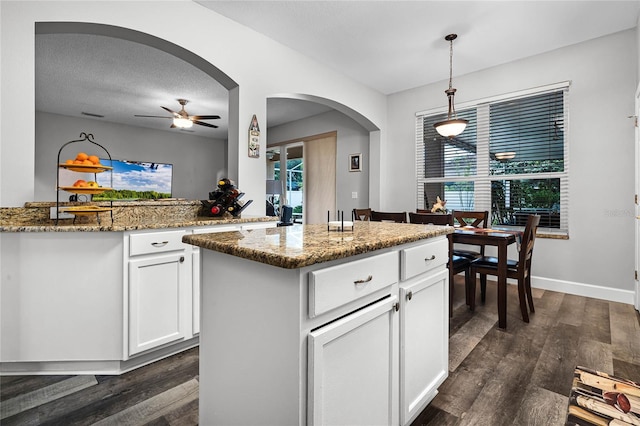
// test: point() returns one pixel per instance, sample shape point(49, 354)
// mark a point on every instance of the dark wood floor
point(518, 376)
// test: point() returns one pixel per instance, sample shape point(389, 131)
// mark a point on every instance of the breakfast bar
point(306, 324)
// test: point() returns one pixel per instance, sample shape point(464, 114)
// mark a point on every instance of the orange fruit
point(94, 159)
point(81, 156)
point(80, 182)
point(87, 162)
point(77, 161)
point(69, 161)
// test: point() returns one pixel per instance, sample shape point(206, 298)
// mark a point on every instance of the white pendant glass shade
point(183, 123)
point(451, 128)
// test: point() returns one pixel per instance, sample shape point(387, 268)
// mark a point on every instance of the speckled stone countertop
point(303, 245)
point(127, 216)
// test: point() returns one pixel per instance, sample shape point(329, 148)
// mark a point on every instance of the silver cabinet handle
point(369, 278)
point(433, 256)
point(409, 295)
point(162, 244)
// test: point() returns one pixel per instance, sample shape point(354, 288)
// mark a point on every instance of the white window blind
point(511, 159)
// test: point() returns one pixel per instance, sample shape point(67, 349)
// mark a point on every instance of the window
point(511, 159)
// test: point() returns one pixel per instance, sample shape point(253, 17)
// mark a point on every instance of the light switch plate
point(354, 195)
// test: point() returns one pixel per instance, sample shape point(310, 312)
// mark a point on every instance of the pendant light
point(452, 126)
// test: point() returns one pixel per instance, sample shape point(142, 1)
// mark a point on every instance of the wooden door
point(319, 179)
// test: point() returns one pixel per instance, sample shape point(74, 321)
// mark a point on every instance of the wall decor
point(355, 162)
point(254, 138)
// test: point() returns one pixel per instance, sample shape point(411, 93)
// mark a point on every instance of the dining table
point(500, 238)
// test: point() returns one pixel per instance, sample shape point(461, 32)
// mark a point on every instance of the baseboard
point(585, 290)
point(106, 367)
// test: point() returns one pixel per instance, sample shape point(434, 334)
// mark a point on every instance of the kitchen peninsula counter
point(127, 216)
point(91, 298)
point(302, 325)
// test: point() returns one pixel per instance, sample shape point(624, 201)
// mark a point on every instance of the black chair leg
point(483, 287)
point(470, 288)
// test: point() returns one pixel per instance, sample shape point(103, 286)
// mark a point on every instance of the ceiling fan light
point(451, 128)
point(183, 123)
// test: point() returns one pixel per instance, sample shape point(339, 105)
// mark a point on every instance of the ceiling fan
point(182, 119)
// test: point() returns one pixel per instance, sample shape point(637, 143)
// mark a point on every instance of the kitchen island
point(305, 325)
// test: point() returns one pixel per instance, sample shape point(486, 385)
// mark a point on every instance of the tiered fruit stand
point(85, 209)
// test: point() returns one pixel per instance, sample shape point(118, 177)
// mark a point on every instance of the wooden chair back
point(400, 217)
point(361, 214)
point(526, 245)
point(423, 211)
point(431, 218)
point(477, 219)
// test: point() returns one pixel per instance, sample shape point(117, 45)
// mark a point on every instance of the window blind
point(511, 159)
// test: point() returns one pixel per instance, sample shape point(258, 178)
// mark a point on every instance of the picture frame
point(355, 162)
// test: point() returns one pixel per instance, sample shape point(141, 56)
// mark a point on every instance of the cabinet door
point(424, 342)
point(353, 368)
point(158, 301)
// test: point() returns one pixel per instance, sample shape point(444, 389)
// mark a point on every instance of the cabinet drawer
point(155, 242)
point(423, 258)
point(338, 285)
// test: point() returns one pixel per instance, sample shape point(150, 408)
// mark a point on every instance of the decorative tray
point(85, 189)
point(85, 168)
point(85, 210)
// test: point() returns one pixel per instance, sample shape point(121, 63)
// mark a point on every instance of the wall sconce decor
point(254, 138)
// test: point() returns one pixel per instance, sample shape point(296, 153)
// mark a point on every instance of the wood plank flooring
point(518, 376)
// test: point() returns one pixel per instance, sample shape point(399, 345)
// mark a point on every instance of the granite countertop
point(297, 246)
point(131, 225)
point(127, 216)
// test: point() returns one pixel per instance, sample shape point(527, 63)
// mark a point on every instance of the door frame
point(637, 207)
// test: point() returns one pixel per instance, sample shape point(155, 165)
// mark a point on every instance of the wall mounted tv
point(135, 180)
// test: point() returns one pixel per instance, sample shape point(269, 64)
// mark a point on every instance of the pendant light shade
point(452, 126)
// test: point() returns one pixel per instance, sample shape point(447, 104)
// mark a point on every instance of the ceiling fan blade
point(204, 117)
point(202, 123)
point(152, 116)
point(168, 110)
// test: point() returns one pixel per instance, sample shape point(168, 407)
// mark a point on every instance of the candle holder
point(339, 224)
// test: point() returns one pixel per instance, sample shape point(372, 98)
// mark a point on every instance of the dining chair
point(477, 219)
point(516, 269)
point(361, 214)
point(423, 211)
point(400, 217)
point(431, 218)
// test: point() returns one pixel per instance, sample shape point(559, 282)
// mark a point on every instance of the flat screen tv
point(135, 180)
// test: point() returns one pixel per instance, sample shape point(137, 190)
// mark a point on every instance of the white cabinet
point(352, 368)
point(424, 340)
point(424, 326)
point(159, 290)
point(159, 301)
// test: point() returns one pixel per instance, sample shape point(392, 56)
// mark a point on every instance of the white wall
point(280, 72)
point(352, 139)
point(198, 162)
point(600, 250)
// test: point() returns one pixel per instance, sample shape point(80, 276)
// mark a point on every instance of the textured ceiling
point(387, 45)
point(397, 45)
